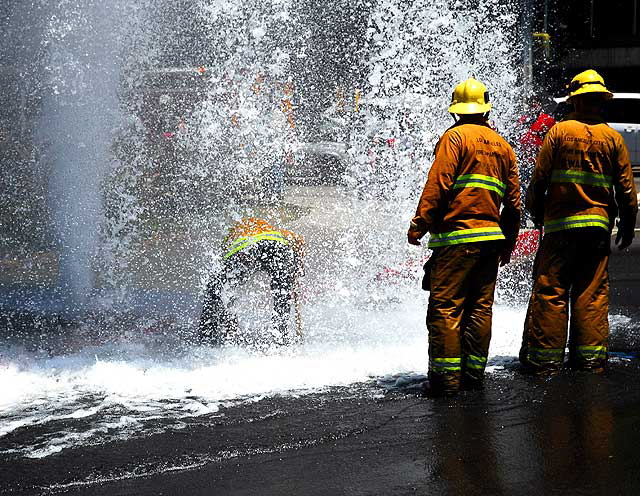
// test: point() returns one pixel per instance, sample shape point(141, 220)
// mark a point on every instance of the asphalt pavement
point(574, 434)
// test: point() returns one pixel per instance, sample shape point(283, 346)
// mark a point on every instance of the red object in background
point(527, 243)
point(391, 142)
point(410, 269)
point(536, 133)
point(168, 135)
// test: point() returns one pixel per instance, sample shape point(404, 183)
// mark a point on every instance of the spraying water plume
point(163, 122)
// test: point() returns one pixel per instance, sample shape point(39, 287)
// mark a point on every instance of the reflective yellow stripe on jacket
point(581, 177)
point(480, 181)
point(242, 242)
point(465, 236)
point(576, 221)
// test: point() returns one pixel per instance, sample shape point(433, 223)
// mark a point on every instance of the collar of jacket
point(585, 118)
point(485, 123)
point(480, 121)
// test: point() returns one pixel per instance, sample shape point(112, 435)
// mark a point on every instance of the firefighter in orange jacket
point(473, 173)
point(253, 245)
point(582, 180)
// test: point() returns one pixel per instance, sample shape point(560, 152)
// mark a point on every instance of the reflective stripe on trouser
point(465, 236)
point(550, 356)
point(576, 221)
point(463, 279)
point(480, 181)
point(475, 364)
point(241, 243)
point(591, 352)
point(570, 271)
point(444, 364)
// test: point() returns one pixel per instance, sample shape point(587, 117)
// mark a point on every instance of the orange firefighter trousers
point(570, 272)
point(463, 279)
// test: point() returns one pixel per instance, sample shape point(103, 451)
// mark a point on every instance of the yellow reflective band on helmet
point(591, 351)
point(577, 221)
point(440, 364)
point(546, 354)
point(581, 177)
point(480, 181)
point(243, 242)
point(476, 362)
point(465, 236)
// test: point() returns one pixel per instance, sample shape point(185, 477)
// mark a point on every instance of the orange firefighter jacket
point(582, 177)
point(250, 230)
point(473, 173)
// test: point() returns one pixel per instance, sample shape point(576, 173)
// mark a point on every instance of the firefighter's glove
point(538, 221)
point(505, 257)
point(413, 238)
point(415, 233)
point(624, 237)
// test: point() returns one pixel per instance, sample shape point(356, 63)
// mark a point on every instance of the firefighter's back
point(588, 158)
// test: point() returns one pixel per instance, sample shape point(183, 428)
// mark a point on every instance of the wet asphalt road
point(575, 434)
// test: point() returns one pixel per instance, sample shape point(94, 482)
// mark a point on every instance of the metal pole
point(527, 18)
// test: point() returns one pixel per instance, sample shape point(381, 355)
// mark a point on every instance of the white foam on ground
point(109, 392)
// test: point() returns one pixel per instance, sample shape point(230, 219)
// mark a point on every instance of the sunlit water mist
point(79, 116)
point(417, 53)
point(358, 325)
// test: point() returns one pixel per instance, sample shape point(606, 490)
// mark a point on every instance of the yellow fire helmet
point(470, 97)
point(588, 81)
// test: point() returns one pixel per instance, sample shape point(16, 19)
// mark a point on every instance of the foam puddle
point(114, 391)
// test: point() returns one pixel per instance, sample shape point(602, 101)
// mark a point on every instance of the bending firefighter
point(473, 173)
point(253, 245)
point(581, 182)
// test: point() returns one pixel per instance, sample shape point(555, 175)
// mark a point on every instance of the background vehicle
point(623, 114)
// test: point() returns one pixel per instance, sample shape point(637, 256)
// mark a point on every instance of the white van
point(622, 113)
